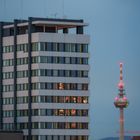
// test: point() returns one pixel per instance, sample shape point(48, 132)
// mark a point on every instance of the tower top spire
point(121, 83)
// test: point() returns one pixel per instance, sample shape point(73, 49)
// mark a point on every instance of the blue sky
point(114, 29)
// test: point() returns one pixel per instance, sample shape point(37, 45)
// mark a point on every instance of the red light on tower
point(121, 102)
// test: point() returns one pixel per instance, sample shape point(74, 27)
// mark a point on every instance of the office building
point(44, 83)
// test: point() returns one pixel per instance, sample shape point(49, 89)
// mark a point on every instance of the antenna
point(21, 8)
point(63, 10)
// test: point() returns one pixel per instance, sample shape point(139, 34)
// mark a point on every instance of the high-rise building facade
point(44, 83)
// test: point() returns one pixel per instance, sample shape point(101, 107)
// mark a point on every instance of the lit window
point(67, 99)
point(67, 112)
point(85, 100)
point(73, 125)
point(73, 112)
point(79, 99)
point(61, 112)
point(61, 86)
point(73, 99)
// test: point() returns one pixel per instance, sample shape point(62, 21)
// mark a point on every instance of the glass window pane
point(61, 47)
point(48, 46)
point(67, 60)
point(55, 47)
point(55, 72)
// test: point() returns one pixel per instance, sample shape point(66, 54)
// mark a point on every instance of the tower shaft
point(121, 124)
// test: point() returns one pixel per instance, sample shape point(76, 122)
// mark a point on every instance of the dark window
point(48, 46)
point(61, 73)
point(54, 47)
point(48, 72)
point(49, 112)
point(49, 59)
point(73, 73)
point(61, 47)
point(49, 125)
point(61, 60)
point(73, 60)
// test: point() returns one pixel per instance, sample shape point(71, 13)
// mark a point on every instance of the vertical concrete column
point(15, 74)
point(1, 65)
point(29, 78)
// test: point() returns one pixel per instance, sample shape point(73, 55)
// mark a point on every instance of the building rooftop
point(58, 23)
point(48, 25)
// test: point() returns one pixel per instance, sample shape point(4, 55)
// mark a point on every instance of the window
point(48, 46)
point(55, 47)
point(73, 73)
point(85, 100)
point(67, 60)
point(79, 48)
point(55, 137)
point(42, 72)
point(67, 73)
point(85, 113)
point(49, 59)
point(85, 73)
point(79, 60)
point(73, 48)
point(35, 99)
point(61, 99)
point(35, 112)
point(61, 60)
point(61, 86)
point(49, 125)
point(84, 86)
point(35, 46)
point(42, 137)
point(73, 60)
point(67, 47)
point(55, 73)
point(48, 85)
point(85, 60)
point(67, 112)
point(42, 46)
point(43, 112)
point(55, 60)
point(49, 112)
point(61, 112)
point(73, 100)
point(73, 86)
point(61, 47)
point(79, 99)
point(48, 72)
point(49, 99)
point(67, 99)
point(61, 73)
point(49, 138)
point(79, 86)
point(85, 48)
point(35, 125)
point(61, 125)
point(73, 112)
point(73, 125)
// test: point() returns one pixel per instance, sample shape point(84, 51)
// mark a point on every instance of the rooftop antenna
point(63, 10)
point(44, 9)
point(21, 8)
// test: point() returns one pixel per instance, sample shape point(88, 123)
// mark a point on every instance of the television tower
point(121, 102)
